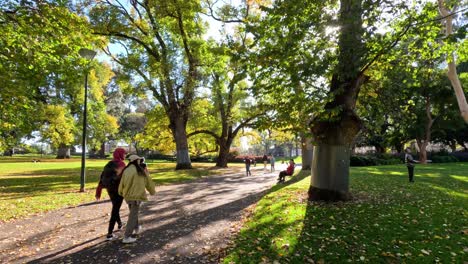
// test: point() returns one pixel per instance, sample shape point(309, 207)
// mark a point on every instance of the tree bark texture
point(178, 127)
point(223, 154)
point(63, 152)
point(335, 129)
point(330, 173)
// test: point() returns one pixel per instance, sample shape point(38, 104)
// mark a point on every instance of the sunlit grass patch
point(388, 221)
point(165, 174)
point(28, 188)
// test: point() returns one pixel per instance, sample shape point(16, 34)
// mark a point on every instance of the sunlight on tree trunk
point(452, 68)
point(335, 129)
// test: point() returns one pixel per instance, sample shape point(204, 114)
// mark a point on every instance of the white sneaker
point(129, 240)
point(138, 230)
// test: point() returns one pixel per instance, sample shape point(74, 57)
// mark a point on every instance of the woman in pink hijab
point(113, 168)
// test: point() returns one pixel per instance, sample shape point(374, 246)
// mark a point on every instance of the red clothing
point(290, 169)
point(118, 158)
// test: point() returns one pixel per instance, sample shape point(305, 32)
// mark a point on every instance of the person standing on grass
point(272, 163)
point(247, 162)
point(410, 164)
point(133, 186)
point(116, 165)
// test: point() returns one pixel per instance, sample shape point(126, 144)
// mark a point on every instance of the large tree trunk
point(63, 152)
point(422, 144)
point(102, 150)
point(452, 68)
point(224, 146)
point(335, 129)
point(307, 152)
point(330, 163)
point(178, 128)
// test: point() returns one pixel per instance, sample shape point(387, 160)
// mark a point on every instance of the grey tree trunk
point(63, 152)
point(330, 173)
point(334, 134)
point(451, 59)
point(178, 127)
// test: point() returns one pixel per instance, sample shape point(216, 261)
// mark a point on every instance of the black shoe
point(120, 226)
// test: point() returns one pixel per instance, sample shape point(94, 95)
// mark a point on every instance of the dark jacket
point(118, 159)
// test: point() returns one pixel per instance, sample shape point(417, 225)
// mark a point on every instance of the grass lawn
point(389, 220)
point(27, 188)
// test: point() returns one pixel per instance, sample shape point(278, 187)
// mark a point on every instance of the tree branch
point(207, 132)
point(154, 53)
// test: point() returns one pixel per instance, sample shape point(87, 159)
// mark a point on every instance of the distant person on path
point(135, 180)
point(288, 172)
point(410, 164)
point(265, 161)
point(272, 163)
point(247, 162)
point(116, 166)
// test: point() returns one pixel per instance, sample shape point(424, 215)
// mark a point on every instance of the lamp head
point(87, 53)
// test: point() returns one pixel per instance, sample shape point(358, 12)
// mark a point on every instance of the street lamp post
point(89, 55)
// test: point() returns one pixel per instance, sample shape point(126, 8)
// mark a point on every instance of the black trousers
point(282, 175)
point(411, 173)
point(116, 200)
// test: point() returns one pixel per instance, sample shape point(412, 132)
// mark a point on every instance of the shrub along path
point(182, 223)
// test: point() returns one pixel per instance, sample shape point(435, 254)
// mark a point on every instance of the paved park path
point(183, 223)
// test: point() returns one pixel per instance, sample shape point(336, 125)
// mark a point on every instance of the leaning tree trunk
point(63, 152)
point(178, 128)
point(451, 60)
point(335, 129)
point(307, 152)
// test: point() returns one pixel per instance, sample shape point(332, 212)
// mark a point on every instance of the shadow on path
point(182, 223)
